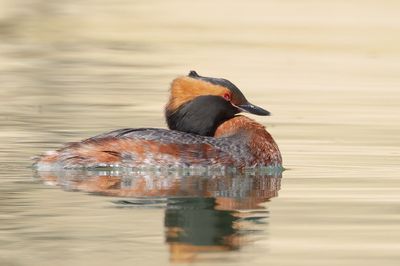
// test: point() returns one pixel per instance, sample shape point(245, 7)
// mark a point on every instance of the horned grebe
point(204, 129)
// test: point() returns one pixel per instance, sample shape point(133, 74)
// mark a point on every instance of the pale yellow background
point(329, 71)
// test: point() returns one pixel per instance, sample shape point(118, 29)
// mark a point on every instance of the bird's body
point(201, 135)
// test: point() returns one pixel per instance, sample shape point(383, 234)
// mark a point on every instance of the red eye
point(227, 96)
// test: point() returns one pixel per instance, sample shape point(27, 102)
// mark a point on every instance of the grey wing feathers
point(235, 146)
point(154, 134)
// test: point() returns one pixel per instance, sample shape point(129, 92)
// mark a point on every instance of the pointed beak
point(252, 109)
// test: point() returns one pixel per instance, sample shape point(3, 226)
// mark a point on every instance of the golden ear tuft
point(186, 88)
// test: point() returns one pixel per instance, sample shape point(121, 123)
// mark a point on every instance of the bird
point(205, 129)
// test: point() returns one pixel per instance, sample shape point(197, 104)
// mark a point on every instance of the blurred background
point(329, 71)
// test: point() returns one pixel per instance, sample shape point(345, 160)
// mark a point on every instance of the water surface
point(327, 70)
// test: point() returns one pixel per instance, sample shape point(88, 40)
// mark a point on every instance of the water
point(328, 71)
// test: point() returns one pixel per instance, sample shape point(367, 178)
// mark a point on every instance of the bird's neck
point(239, 124)
point(260, 143)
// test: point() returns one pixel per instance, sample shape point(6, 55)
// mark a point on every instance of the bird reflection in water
point(204, 213)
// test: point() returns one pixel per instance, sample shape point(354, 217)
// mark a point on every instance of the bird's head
point(200, 104)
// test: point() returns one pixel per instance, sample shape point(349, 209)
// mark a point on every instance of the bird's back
point(146, 147)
